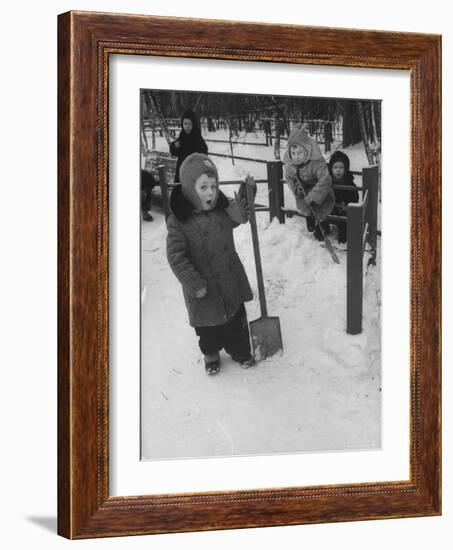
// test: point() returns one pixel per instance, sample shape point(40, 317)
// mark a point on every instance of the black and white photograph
point(260, 274)
point(206, 343)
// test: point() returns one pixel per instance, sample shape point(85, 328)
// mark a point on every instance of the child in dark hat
point(202, 255)
point(308, 178)
point(189, 141)
point(339, 169)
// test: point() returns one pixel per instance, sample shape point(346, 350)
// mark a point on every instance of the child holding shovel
point(308, 178)
point(202, 255)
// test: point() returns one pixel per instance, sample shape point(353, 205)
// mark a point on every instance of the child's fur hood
point(299, 136)
point(339, 156)
point(348, 178)
point(182, 208)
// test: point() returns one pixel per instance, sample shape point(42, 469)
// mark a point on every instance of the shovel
point(318, 223)
point(265, 331)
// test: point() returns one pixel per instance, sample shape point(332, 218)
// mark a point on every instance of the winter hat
point(189, 114)
point(339, 156)
point(191, 169)
point(299, 136)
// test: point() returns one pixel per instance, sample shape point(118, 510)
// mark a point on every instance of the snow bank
point(322, 394)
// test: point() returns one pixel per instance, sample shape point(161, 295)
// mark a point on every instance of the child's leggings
point(233, 336)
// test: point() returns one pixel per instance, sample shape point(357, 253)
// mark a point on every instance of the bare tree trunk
point(153, 136)
point(277, 138)
point(367, 114)
point(163, 124)
point(231, 141)
point(144, 139)
point(197, 102)
point(373, 124)
point(363, 132)
point(328, 138)
point(377, 152)
point(143, 109)
point(349, 114)
point(281, 112)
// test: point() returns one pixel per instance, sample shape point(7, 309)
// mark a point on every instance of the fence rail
point(235, 157)
point(234, 142)
point(360, 219)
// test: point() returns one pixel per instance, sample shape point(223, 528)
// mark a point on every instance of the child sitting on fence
point(339, 165)
point(202, 255)
point(189, 141)
point(309, 180)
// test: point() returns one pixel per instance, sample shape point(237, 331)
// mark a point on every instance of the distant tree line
point(361, 119)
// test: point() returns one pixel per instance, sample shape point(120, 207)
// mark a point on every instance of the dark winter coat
point(189, 143)
point(342, 197)
point(201, 253)
point(312, 173)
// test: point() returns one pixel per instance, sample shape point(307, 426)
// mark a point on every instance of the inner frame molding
point(86, 40)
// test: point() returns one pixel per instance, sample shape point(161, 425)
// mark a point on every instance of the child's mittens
point(299, 190)
point(242, 209)
point(201, 292)
point(307, 201)
point(246, 206)
point(250, 180)
point(239, 209)
point(303, 203)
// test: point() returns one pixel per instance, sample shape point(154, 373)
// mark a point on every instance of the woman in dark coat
point(189, 141)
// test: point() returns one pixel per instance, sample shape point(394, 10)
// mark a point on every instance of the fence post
point(275, 190)
point(164, 190)
point(370, 178)
point(354, 268)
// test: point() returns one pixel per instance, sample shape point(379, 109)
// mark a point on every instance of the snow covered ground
point(322, 394)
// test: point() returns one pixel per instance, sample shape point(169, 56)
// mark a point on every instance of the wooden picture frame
point(85, 508)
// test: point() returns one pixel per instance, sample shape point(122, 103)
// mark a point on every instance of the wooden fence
point(361, 223)
point(361, 227)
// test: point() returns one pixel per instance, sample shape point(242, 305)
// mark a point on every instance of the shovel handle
point(318, 223)
point(256, 250)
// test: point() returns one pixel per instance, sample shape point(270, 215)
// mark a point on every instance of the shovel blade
point(266, 337)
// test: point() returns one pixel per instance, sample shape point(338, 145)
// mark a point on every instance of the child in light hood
point(308, 178)
point(202, 255)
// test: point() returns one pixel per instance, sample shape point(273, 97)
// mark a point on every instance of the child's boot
point(147, 217)
point(212, 363)
point(318, 234)
point(245, 362)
